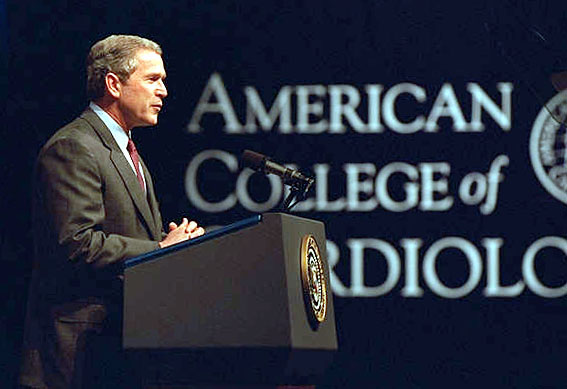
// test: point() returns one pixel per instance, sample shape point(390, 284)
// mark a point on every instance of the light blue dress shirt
point(118, 134)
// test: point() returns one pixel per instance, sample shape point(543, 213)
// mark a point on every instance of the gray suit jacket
point(90, 215)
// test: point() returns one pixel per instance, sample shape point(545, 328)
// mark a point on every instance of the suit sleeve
point(71, 197)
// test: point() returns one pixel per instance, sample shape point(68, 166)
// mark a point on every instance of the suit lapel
point(154, 207)
point(124, 169)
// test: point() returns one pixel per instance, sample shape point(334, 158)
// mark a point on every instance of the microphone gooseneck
point(262, 163)
point(298, 182)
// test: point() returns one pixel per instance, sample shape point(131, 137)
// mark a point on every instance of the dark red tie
point(136, 159)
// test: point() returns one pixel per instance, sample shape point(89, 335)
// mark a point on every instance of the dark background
point(389, 341)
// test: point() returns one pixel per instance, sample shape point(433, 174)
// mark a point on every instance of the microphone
point(262, 163)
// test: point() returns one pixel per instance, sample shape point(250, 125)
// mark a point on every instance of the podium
point(246, 304)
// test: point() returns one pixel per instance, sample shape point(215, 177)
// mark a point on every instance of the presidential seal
point(548, 147)
point(313, 281)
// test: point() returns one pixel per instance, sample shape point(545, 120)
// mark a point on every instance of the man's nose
point(161, 90)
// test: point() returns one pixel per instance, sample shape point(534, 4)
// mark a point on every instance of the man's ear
point(113, 85)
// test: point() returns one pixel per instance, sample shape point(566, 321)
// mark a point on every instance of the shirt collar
point(115, 129)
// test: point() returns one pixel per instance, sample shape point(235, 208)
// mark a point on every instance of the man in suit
point(94, 207)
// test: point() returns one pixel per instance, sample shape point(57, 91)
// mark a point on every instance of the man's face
point(141, 95)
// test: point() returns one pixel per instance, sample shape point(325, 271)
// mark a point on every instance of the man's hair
point(116, 54)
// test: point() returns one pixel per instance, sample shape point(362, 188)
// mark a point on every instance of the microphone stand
point(297, 193)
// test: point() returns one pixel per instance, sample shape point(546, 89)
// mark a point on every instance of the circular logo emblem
point(548, 147)
point(313, 280)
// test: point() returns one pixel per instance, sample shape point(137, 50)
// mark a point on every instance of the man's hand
point(179, 233)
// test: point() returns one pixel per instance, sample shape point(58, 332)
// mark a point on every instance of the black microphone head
point(253, 160)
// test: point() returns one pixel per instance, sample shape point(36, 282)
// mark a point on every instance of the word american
point(404, 108)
